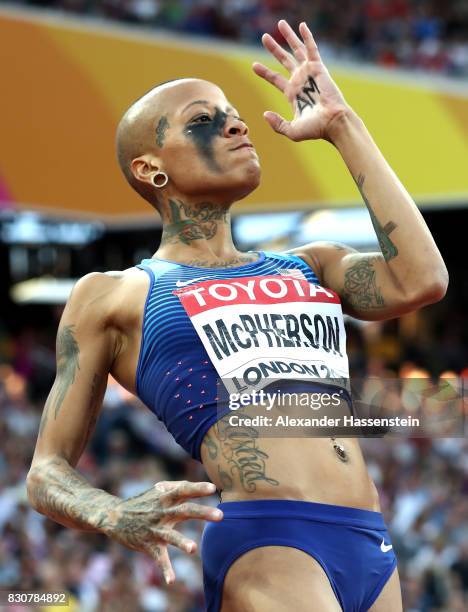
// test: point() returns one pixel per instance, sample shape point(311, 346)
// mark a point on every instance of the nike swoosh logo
point(180, 283)
point(385, 547)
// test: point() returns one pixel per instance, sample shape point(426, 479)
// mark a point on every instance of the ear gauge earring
point(164, 180)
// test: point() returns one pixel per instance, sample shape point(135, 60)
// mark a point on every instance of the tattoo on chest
point(388, 248)
point(222, 263)
point(307, 100)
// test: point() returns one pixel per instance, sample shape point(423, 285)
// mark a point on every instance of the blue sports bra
point(178, 373)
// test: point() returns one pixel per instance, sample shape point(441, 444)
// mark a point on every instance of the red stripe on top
point(210, 294)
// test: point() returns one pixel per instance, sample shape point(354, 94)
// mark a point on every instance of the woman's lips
point(241, 146)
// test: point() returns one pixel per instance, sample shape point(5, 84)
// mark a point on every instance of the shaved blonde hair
point(136, 136)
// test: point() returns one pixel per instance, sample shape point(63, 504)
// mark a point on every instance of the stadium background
point(66, 211)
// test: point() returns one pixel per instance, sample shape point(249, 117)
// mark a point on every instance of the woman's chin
point(249, 183)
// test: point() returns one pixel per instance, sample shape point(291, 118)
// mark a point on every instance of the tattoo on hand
point(66, 496)
point(67, 364)
point(360, 289)
point(388, 248)
point(307, 100)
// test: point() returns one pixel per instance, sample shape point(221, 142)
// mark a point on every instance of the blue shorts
point(352, 545)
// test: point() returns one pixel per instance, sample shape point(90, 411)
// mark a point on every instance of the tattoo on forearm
point(65, 496)
point(68, 353)
point(161, 129)
point(307, 99)
point(199, 221)
point(360, 285)
point(388, 248)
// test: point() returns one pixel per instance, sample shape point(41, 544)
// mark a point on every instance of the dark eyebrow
point(195, 102)
point(228, 108)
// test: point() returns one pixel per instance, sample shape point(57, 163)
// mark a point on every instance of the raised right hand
point(146, 522)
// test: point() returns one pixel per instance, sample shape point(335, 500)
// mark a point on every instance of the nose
point(235, 127)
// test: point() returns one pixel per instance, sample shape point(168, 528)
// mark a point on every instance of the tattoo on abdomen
point(246, 461)
point(307, 100)
point(67, 364)
point(203, 135)
point(211, 446)
point(226, 480)
point(360, 289)
point(161, 128)
point(388, 248)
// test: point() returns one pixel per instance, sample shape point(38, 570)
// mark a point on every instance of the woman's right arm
point(87, 344)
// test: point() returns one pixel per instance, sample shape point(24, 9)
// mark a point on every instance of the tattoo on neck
point(199, 221)
point(360, 289)
point(388, 248)
point(307, 99)
point(161, 129)
point(68, 363)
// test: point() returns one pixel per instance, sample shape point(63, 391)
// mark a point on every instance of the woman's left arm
point(409, 272)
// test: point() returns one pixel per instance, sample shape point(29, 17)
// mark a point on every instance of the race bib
point(257, 329)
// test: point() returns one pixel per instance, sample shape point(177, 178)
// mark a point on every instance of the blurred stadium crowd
point(417, 34)
point(423, 484)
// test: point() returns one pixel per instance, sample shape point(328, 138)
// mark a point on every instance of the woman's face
point(202, 143)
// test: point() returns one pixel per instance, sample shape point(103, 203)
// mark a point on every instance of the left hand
point(312, 93)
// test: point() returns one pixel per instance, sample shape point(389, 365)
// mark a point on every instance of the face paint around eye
point(203, 134)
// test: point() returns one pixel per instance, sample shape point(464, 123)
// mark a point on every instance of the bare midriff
point(245, 465)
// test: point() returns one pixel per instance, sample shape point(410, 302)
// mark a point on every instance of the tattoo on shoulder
point(341, 247)
point(360, 285)
point(388, 248)
point(68, 353)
